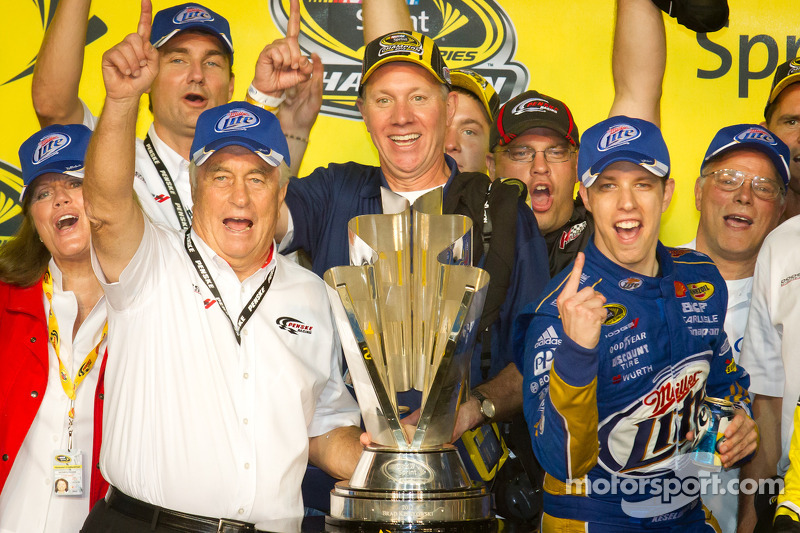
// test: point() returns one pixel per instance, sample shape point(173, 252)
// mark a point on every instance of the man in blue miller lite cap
point(168, 22)
point(618, 358)
point(197, 323)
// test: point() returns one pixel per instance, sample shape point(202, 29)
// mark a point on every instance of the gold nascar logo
point(700, 291)
point(475, 34)
point(614, 313)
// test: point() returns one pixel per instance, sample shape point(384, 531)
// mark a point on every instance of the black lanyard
point(183, 217)
point(251, 306)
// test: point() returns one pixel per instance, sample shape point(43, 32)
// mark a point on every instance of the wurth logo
point(293, 326)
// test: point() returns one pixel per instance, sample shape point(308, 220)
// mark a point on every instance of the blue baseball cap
point(168, 22)
point(622, 138)
point(58, 148)
point(751, 136)
point(239, 124)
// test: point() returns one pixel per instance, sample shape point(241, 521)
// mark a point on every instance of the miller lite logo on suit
point(630, 284)
point(236, 120)
point(617, 136)
point(473, 34)
point(534, 105)
point(758, 134)
point(192, 14)
point(293, 326)
point(399, 42)
point(49, 146)
point(640, 439)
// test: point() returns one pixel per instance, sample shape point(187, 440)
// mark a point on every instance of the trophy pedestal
point(410, 487)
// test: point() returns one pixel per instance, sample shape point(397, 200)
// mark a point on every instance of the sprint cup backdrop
point(559, 48)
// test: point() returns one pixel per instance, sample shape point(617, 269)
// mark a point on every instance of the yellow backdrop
point(566, 47)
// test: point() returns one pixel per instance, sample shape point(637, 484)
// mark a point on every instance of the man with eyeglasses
point(534, 139)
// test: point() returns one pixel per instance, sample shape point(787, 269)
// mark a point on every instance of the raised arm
point(639, 60)
point(117, 221)
point(383, 16)
point(57, 73)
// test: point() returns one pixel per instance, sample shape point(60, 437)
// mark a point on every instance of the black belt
point(184, 522)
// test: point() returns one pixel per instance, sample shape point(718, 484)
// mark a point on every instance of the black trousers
point(104, 519)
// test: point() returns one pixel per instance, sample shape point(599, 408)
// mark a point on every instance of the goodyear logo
point(473, 34)
point(701, 291)
point(614, 313)
point(533, 105)
point(755, 134)
point(630, 284)
point(192, 14)
point(399, 42)
point(236, 120)
point(619, 135)
point(49, 146)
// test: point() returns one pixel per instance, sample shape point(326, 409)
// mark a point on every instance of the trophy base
point(414, 488)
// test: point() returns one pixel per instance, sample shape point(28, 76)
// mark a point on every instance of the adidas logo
point(548, 338)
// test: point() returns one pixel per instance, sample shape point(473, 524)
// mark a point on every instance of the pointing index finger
point(571, 287)
point(145, 20)
point(293, 28)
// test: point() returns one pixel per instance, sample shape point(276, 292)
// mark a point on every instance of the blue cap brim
point(269, 155)
point(655, 167)
point(70, 168)
point(201, 27)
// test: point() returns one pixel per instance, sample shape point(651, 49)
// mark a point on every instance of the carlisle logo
point(293, 326)
point(701, 291)
point(618, 136)
point(614, 313)
point(534, 105)
point(470, 34)
point(399, 43)
point(630, 284)
point(49, 146)
point(236, 120)
point(192, 14)
point(755, 134)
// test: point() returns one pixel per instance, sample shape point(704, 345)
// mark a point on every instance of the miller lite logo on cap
point(755, 134)
point(533, 105)
point(236, 120)
point(618, 136)
point(49, 146)
point(399, 42)
point(192, 14)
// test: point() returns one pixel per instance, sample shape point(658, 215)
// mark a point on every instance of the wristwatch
point(487, 406)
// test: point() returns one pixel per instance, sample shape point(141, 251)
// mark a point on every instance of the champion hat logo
point(755, 134)
point(192, 14)
point(532, 105)
point(50, 146)
point(616, 136)
point(399, 42)
point(236, 120)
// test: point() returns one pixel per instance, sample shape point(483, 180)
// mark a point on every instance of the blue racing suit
point(609, 424)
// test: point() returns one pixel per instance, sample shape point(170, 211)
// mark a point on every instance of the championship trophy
point(412, 303)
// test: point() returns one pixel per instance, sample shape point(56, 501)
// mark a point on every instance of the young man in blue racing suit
point(621, 350)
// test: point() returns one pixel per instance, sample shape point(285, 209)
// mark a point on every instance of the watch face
point(487, 408)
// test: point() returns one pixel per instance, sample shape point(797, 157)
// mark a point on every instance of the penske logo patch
point(293, 326)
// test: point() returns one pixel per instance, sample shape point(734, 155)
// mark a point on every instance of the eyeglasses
point(728, 179)
point(523, 154)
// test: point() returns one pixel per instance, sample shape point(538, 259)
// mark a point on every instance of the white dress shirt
point(28, 503)
point(196, 422)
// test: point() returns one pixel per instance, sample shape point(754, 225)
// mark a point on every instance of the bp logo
point(10, 208)
point(475, 34)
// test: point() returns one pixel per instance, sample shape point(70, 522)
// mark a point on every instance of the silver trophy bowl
point(411, 305)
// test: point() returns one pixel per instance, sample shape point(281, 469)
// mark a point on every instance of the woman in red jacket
point(52, 336)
